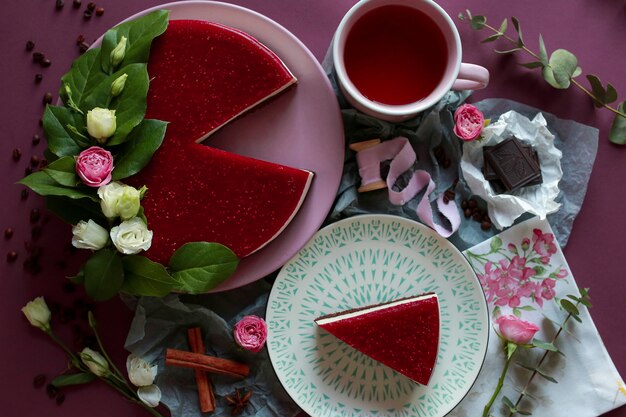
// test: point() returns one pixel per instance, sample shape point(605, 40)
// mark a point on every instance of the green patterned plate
point(366, 260)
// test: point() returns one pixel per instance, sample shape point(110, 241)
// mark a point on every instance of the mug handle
point(471, 77)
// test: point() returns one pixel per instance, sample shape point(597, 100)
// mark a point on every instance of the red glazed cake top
point(402, 334)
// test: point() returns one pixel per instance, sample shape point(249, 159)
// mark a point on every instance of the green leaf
point(43, 184)
point(104, 274)
point(518, 29)
point(73, 379)
point(74, 210)
point(532, 64)
point(506, 51)
point(78, 278)
point(139, 147)
point(139, 32)
point(510, 349)
point(129, 106)
point(503, 26)
point(539, 372)
point(63, 171)
point(539, 269)
point(509, 404)
point(543, 54)
point(491, 38)
point(478, 22)
point(570, 307)
point(200, 266)
point(146, 278)
point(602, 95)
point(495, 244)
point(544, 345)
point(617, 134)
point(84, 75)
point(562, 66)
point(60, 139)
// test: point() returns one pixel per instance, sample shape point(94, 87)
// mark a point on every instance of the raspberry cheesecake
point(402, 334)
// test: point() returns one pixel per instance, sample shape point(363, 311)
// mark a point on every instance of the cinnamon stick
point(206, 397)
point(212, 364)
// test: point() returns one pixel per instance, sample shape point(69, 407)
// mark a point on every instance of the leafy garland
point(559, 70)
point(99, 137)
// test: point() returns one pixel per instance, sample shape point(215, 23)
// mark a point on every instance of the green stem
point(117, 372)
point(75, 360)
point(573, 81)
point(498, 387)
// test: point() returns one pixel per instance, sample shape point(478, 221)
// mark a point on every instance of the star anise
point(238, 401)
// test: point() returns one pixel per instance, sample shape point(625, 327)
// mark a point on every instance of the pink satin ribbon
point(402, 157)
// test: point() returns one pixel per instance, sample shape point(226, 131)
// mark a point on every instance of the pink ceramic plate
point(301, 128)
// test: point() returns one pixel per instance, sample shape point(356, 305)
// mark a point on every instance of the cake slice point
point(402, 334)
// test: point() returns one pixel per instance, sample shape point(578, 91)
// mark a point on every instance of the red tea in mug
point(395, 55)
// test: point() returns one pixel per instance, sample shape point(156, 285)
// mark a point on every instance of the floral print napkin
point(524, 273)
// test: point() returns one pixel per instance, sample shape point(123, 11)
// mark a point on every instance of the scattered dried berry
point(34, 160)
point(87, 14)
point(45, 62)
point(30, 45)
point(47, 98)
point(91, 6)
point(38, 78)
point(99, 11)
point(11, 256)
point(28, 171)
point(83, 47)
point(59, 4)
point(76, 3)
point(38, 57)
point(36, 140)
point(80, 39)
point(39, 381)
point(16, 155)
point(51, 390)
point(8, 233)
point(35, 215)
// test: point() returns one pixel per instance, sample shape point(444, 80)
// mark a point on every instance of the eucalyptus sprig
point(559, 69)
point(573, 310)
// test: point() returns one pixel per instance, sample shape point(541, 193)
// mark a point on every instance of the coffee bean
point(35, 215)
point(28, 171)
point(30, 45)
point(99, 11)
point(464, 204)
point(39, 381)
point(87, 14)
point(76, 3)
point(83, 47)
point(17, 154)
point(91, 6)
point(47, 98)
point(43, 163)
point(11, 256)
point(51, 390)
point(38, 57)
point(24, 194)
point(8, 233)
point(34, 160)
point(478, 217)
point(467, 213)
point(46, 62)
point(80, 39)
point(36, 139)
point(59, 4)
point(38, 78)
point(485, 225)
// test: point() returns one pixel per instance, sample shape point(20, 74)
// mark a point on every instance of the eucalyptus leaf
point(509, 404)
point(43, 184)
point(532, 64)
point(570, 307)
point(73, 211)
point(73, 379)
point(544, 345)
point(63, 171)
point(144, 277)
point(597, 90)
point(617, 133)
point(478, 22)
point(82, 77)
point(60, 139)
point(543, 54)
point(503, 26)
point(561, 68)
point(139, 34)
point(506, 51)
point(139, 147)
point(129, 106)
point(518, 29)
point(491, 38)
point(200, 266)
point(104, 274)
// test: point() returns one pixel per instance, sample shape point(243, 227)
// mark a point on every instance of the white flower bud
point(131, 236)
point(96, 363)
point(89, 235)
point(38, 313)
point(117, 86)
point(118, 53)
point(117, 199)
point(140, 372)
point(101, 123)
point(150, 395)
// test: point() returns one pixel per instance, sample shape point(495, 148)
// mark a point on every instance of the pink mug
point(451, 73)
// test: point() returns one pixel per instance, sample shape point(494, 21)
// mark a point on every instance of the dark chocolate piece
point(514, 166)
point(492, 177)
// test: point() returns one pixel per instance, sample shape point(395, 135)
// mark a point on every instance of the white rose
point(89, 235)
point(140, 372)
point(38, 313)
point(95, 362)
point(101, 123)
point(131, 236)
point(117, 199)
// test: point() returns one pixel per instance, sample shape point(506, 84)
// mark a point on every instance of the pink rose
point(94, 166)
point(516, 330)
point(250, 333)
point(468, 122)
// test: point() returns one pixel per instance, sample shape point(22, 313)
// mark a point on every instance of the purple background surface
point(593, 30)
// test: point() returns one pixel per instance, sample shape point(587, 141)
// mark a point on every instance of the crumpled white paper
point(537, 199)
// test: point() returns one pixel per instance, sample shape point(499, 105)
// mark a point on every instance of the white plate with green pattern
point(366, 260)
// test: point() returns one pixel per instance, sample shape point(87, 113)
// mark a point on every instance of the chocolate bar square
point(512, 164)
point(491, 176)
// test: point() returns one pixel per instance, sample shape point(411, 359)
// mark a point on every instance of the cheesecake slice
point(402, 334)
point(203, 76)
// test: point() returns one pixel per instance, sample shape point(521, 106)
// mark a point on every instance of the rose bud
point(95, 362)
point(117, 86)
point(101, 123)
point(118, 53)
point(94, 166)
point(38, 313)
point(117, 199)
point(468, 122)
point(131, 236)
point(250, 333)
point(89, 235)
point(516, 330)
